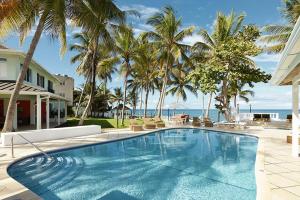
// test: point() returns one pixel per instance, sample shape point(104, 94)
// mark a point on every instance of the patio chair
point(207, 122)
point(149, 123)
point(289, 118)
point(196, 122)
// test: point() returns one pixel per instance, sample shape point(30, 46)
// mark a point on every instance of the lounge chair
point(289, 139)
point(196, 122)
point(136, 128)
point(289, 118)
point(207, 122)
point(159, 122)
point(149, 123)
point(132, 122)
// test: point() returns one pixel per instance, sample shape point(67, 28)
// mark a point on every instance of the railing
point(35, 146)
point(250, 116)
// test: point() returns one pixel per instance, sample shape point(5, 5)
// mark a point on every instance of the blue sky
point(199, 13)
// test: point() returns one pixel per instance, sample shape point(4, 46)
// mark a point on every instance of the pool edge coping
point(263, 191)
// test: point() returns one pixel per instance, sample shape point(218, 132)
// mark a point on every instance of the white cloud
point(267, 58)
point(191, 40)
point(144, 11)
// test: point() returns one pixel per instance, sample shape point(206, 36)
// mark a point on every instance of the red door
point(43, 112)
point(1, 112)
point(1, 108)
point(23, 112)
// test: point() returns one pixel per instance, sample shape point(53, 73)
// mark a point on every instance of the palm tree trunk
point(146, 102)
point(225, 100)
point(8, 124)
point(124, 100)
point(90, 102)
point(158, 102)
point(164, 87)
point(80, 99)
point(141, 102)
point(208, 105)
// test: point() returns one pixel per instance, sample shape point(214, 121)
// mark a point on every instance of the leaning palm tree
point(102, 20)
point(21, 18)
point(168, 37)
point(50, 17)
point(125, 46)
point(276, 36)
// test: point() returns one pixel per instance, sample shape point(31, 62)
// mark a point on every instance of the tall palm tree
point(125, 48)
point(103, 16)
point(276, 35)
point(104, 60)
point(146, 67)
point(168, 37)
point(50, 16)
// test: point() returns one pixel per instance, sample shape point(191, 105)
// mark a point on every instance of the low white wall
point(49, 134)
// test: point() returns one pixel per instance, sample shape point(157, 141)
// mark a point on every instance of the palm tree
point(104, 60)
point(50, 16)
point(276, 36)
point(225, 28)
point(145, 68)
point(133, 99)
point(125, 47)
point(168, 37)
point(179, 84)
point(117, 98)
point(101, 22)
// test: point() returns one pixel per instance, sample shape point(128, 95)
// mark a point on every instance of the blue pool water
point(169, 164)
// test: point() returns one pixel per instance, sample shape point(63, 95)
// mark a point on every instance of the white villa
point(43, 98)
point(288, 73)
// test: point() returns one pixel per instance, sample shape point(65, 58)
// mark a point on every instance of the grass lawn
point(103, 122)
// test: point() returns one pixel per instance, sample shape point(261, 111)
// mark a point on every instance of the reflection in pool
point(167, 164)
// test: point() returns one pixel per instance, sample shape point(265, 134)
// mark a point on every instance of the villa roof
point(9, 51)
point(10, 86)
point(289, 64)
point(120, 107)
point(7, 87)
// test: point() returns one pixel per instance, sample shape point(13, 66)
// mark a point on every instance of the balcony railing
point(51, 90)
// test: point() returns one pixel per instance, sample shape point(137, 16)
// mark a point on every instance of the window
point(50, 86)
point(28, 76)
point(3, 67)
point(40, 80)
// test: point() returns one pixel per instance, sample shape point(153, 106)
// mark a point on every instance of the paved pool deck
point(277, 172)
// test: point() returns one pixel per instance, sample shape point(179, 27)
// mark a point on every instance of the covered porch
point(288, 74)
point(35, 108)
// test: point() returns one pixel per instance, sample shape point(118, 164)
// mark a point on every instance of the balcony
point(51, 90)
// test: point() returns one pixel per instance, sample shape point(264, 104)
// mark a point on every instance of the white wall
point(49, 134)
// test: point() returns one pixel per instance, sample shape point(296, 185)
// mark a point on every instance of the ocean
point(213, 112)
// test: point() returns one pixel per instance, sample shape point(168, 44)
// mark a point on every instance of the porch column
point(38, 112)
point(15, 122)
point(66, 112)
point(47, 113)
point(58, 113)
point(295, 119)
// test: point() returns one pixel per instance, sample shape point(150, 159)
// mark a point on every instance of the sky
point(198, 13)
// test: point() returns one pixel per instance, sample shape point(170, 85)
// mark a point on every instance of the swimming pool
point(167, 164)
